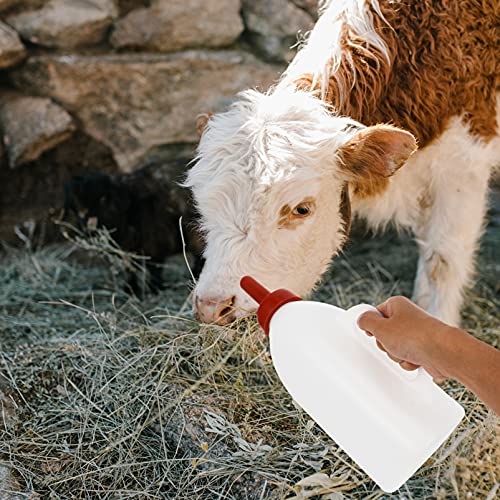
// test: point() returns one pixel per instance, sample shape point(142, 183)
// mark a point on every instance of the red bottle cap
point(269, 302)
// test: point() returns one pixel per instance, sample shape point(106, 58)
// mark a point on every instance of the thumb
point(370, 321)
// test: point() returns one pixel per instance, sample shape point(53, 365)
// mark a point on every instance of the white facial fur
point(266, 152)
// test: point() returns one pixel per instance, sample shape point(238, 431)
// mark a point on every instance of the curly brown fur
point(445, 62)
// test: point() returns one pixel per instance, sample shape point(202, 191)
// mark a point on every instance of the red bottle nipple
point(269, 302)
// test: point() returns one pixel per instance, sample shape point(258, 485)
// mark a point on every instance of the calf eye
point(291, 218)
point(301, 210)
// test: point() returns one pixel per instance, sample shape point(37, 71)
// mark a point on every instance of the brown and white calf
point(278, 174)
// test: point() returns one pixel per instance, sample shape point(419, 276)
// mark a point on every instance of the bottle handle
point(371, 344)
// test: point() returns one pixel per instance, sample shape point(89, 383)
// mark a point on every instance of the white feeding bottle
point(388, 420)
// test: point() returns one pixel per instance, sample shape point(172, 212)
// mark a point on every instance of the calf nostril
point(226, 308)
point(225, 311)
point(213, 310)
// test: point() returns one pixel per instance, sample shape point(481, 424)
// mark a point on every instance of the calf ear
point(374, 154)
point(201, 122)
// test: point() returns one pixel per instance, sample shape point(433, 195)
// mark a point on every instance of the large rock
point(66, 23)
point(17, 5)
point(273, 26)
point(170, 25)
point(5, 4)
point(11, 49)
point(127, 6)
point(32, 125)
point(135, 102)
point(310, 6)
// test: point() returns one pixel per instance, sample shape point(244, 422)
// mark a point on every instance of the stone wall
point(110, 85)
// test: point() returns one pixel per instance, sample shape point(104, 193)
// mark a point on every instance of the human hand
point(408, 335)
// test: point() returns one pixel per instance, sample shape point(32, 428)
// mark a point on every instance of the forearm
point(473, 363)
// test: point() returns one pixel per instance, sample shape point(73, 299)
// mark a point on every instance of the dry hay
point(116, 397)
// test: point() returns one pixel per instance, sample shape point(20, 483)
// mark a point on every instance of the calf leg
point(421, 290)
point(448, 233)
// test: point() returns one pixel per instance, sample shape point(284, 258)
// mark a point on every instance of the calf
point(142, 210)
point(278, 174)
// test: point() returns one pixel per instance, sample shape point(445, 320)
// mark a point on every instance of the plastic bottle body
point(389, 422)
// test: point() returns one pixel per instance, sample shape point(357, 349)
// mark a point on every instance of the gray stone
point(66, 23)
point(109, 6)
point(170, 25)
point(126, 6)
point(134, 103)
point(5, 4)
point(31, 126)
point(273, 26)
point(11, 49)
point(17, 5)
point(310, 6)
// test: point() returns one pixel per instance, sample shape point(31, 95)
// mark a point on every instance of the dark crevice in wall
point(35, 190)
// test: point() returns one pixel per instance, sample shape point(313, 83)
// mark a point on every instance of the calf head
point(272, 184)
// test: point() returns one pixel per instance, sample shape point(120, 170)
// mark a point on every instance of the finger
point(406, 365)
point(380, 346)
point(394, 358)
point(384, 308)
point(369, 321)
point(436, 374)
point(389, 355)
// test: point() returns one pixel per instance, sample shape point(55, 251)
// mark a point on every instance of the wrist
point(449, 350)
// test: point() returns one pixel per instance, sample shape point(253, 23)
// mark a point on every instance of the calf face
point(272, 183)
